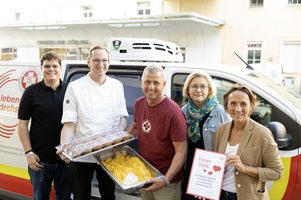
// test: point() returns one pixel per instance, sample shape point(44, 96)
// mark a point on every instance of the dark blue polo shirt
point(44, 107)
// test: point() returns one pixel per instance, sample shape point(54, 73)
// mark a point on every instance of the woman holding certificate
point(203, 114)
point(253, 156)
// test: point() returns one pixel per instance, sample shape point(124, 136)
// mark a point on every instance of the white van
point(272, 71)
point(276, 103)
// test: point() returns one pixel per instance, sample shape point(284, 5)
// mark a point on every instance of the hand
point(115, 149)
point(63, 157)
point(157, 184)
point(234, 160)
point(201, 198)
point(120, 145)
point(33, 160)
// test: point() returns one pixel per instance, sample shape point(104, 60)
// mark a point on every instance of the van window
point(77, 76)
point(262, 114)
point(178, 81)
point(222, 86)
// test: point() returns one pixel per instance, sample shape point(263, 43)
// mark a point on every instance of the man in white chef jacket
point(93, 104)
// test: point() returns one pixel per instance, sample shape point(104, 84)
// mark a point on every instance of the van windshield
point(286, 93)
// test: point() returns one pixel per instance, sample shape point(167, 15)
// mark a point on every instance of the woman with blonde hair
point(203, 114)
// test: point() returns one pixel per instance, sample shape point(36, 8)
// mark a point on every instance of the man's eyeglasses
point(196, 87)
point(53, 66)
point(96, 61)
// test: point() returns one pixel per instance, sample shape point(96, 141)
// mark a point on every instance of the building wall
point(273, 24)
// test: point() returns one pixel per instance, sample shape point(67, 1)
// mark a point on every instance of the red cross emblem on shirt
point(146, 126)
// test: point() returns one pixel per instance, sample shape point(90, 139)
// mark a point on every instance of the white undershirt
point(229, 179)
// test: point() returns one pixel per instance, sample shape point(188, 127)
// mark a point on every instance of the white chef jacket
point(93, 108)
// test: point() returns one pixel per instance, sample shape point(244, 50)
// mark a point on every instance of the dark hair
point(245, 89)
point(49, 56)
point(97, 47)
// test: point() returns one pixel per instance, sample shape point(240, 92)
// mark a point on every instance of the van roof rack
point(139, 49)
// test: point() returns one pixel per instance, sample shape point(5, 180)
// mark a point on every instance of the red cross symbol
point(146, 126)
point(29, 78)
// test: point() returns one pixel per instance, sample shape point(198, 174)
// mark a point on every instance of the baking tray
point(126, 151)
point(98, 151)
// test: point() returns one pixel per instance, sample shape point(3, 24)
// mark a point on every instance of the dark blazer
point(257, 148)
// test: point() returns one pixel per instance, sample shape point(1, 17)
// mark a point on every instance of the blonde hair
point(97, 47)
point(211, 85)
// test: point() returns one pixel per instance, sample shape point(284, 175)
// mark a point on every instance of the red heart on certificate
point(205, 170)
point(216, 168)
point(209, 173)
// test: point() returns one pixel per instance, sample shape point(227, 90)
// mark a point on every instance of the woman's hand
point(201, 198)
point(234, 160)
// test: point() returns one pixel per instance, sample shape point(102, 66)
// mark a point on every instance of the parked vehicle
point(272, 71)
point(275, 103)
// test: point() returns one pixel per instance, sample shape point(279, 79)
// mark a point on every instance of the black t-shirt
point(45, 108)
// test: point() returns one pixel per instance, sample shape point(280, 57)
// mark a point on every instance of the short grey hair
point(154, 68)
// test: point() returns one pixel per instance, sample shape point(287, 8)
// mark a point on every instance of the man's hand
point(33, 160)
point(63, 157)
point(133, 129)
point(157, 184)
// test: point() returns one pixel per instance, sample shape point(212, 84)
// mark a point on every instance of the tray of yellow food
point(127, 168)
point(94, 144)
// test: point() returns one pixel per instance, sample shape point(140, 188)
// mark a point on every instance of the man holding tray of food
point(42, 103)
point(161, 129)
point(93, 104)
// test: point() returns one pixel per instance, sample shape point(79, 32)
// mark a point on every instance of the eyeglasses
point(196, 87)
point(96, 61)
point(52, 66)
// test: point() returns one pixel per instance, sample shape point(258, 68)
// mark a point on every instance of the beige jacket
point(257, 148)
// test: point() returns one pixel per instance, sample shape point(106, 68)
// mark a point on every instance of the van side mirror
point(283, 139)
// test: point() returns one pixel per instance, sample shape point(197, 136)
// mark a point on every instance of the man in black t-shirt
point(42, 103)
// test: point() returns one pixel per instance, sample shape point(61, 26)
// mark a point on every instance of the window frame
point(9, 53)
point(143, 7)
point(293, 4)
point(247, 48)
point(282, 51)
point(19, 16)
point(256, 6)
point(87, 12)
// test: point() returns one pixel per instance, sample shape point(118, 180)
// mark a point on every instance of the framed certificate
point(207, 173)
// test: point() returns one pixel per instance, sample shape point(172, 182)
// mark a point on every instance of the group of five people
point(167, 135)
